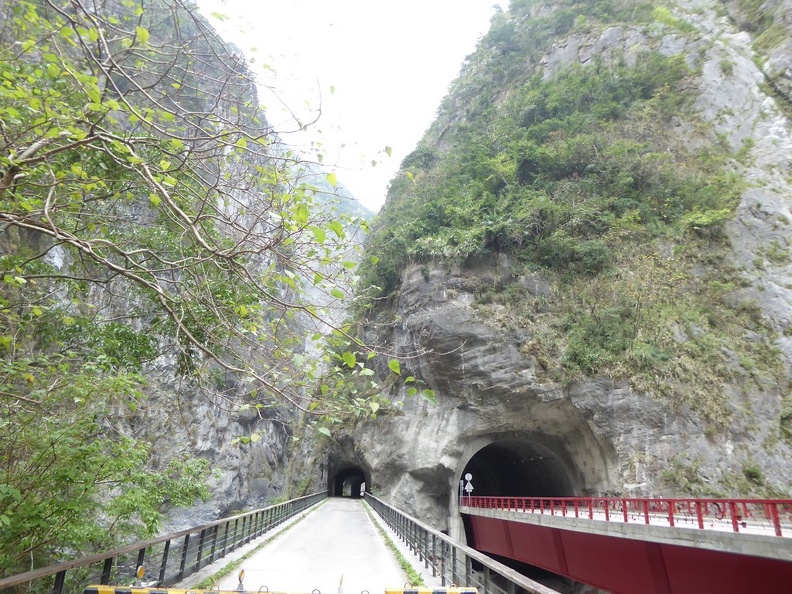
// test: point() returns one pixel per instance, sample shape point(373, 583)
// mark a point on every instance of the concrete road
point(334, 541)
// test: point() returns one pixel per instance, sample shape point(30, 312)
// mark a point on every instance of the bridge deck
point(337, 539)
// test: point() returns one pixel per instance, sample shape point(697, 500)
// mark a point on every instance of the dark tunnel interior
point(349, 482)
point(518, 468)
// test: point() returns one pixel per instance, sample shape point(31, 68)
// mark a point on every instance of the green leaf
point(337, 293)
point(301, 214)
point(142, 34)
point(374, 407)
point(337, 228)
point(325, 431)
point(154, 199)
point(349, 359)
point(395, 366)
point(319, 234)
point(332, 179)
point(428, 395)
point(388, 151)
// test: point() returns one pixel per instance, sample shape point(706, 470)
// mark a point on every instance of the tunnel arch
point(350, 481)
point(521, 466)
point(516, 464)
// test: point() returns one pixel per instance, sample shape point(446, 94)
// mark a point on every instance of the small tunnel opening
point(518, 467)
point(519, 464)
point(349, 482)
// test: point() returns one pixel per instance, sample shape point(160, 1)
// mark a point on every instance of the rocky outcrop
point(591, 437)
point(599, 435)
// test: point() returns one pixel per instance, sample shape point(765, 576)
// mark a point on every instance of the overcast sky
point(378, 68)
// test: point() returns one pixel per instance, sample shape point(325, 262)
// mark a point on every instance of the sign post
point(468, 485)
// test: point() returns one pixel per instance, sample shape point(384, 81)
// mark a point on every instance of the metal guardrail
point(171, 558)
point(452, 561)
point(771, 516)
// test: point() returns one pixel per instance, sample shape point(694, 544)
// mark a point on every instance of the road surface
point(336, 540)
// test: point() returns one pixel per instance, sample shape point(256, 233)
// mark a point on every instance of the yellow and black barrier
point(133, 590)
point(451, 590)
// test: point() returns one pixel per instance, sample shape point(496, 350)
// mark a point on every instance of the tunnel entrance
point(349, 482)
point(516, 464)
point(521, 465)
point(518, 469)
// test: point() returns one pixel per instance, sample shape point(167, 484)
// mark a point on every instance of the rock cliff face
point(180, 419)
point(502, 414)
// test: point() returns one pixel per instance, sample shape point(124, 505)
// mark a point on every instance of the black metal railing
point(167, 559)
point(453, 562)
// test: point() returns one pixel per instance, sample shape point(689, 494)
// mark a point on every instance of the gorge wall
point(696, 400)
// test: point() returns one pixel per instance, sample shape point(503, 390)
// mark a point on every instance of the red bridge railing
point(761, 516)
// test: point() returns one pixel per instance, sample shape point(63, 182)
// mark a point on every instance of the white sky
point(389, 62)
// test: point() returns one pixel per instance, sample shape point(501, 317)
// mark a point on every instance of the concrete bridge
point(625, 546)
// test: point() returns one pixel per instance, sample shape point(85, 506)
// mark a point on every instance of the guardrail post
point(164, 564)
point(670, 505)
point(624, 507)
point(776, 519)
point(454, 574)
point(225, 538)
point(646, 511)
point(107, 570)
point(734, 514)
point(141, 558)
point(699, 515)
point(486, 579)
point(434, 555)
point(215, 530)
point(443, 546)
point(183, 563)
point(60, 579)
point(199, 555)
point(468, 569)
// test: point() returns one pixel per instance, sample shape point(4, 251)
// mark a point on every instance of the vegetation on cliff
point(576, 171)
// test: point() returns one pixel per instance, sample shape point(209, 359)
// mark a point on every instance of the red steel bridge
point(642, 546)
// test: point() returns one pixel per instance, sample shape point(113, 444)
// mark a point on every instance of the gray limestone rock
point(597, 435)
